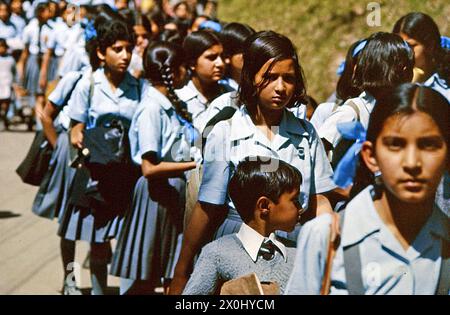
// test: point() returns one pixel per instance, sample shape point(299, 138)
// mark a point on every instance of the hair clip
point(90, 32)
point(211, 25)
point(445, 42)
point(359, 47)
point(340, 69)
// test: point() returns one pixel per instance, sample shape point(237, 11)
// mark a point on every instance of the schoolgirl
point(344, 88)
point(204, 57)
point(431, 61)
point(394, 238)
point(385, 62)
point(143, 34)
point(110, 92)
point(272, 80)
point(160, 137)
point(35, 36)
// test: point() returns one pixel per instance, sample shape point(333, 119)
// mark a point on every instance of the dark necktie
point(267, 250)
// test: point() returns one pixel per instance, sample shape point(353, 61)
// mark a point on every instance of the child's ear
point(368, 156)
point(263, 205)
point(100, 55)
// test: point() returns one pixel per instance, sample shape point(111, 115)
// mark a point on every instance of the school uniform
point(51, 198)
point(80, 223)
point(438, 84)
point(7, 30)
point(321, 114)
point(231, 141)
point(56, 42)
point(147, 245)
point(344, 113)
point(230, 99)
point(386, 268)
point(196, 103)
point(35, 37)
point(237, 255)
point(19, 22)
point(75, 56)
point(7, 74)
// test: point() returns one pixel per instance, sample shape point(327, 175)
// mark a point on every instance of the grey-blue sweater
point(226, 259)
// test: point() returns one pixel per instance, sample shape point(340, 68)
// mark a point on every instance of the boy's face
point(286, 213)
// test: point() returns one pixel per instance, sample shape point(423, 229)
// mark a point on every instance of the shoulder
point(186, 93)
point(216, 248)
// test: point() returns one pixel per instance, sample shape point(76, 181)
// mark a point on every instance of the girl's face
point(16, 6)
point(280, 85)
point(210, 67)
point(411, 154)
point(141, 37)
point(420, 53)
point(4, 12)
point(117, 57)
point(236, 63)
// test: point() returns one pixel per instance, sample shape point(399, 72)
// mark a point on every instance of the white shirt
point(252, 241)
point(344, 113)
point(30, 37)
point(322, 112)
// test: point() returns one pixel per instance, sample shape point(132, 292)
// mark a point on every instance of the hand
point(76, 138)
point(42, 83)
point(177, 284)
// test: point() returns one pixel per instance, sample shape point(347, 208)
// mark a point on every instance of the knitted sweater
point(226, 259)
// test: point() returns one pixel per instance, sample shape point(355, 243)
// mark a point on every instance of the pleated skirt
point(86, 224)
point(51, 198)
point(32, 72)
point(150, 240)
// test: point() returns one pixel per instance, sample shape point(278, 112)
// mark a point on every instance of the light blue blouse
point(103, 101)
point(386, 267)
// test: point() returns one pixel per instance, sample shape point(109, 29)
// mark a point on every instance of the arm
point(47, 118)
point(21, 65)
point(44, 69)
point(76, 134)
point(204, 222)
point(151, 169)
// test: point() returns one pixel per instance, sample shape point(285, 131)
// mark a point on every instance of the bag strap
point(443, 286)
point(67, 98)
point(355, 107)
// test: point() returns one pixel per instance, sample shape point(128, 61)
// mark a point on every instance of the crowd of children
point(195, 145)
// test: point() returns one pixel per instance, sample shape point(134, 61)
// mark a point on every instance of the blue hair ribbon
point(340, 69)
point(191, 133)
point(445, 42)
point(358, 48)
point(346, 169)
point(90, 32)
point(211, 25)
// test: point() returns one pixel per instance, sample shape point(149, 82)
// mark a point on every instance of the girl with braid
point(161, 137)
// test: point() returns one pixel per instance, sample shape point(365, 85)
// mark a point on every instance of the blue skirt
point(84, 223)
point(31, 78)
point(51, 198)
point(148, 246)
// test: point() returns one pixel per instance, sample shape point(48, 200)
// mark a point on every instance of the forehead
point(139, 29)
point(121, 43)
point(280, 66)
point(408, 39)
point(410, 126)
point(213, 50)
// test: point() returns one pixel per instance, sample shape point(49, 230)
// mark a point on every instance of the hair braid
point(180, 107)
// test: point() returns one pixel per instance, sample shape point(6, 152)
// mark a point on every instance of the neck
point(209, 90)
point(405, 220)
point(267, 118)
point(236, 76)
point(261, 227)
point(162, 89)
point(114, 78)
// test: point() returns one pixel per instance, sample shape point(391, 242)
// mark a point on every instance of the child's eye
point(394, 143)
point(289, 78)
point(431, 144)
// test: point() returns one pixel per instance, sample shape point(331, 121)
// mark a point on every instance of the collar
point(435, 79)
point(368, 99)
point(245, 128)
point(252, 241)
point(189, 92)
point(128, 82)
point(362, 220)
point(160, 98)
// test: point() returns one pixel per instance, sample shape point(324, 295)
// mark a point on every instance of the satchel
point(36, 163)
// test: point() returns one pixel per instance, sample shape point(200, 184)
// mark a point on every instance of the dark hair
point(260, 48)
point(251, 181)
point(385, 62)
point(422, 28)
point(233, 37)
point(39, 8)
point(345, 88)
point(171, 36)
point(196, 43)
point(404, 100)
point(3, 41)
point(161, 61)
